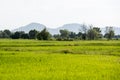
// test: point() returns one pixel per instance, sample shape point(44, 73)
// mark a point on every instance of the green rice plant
point(64, 60)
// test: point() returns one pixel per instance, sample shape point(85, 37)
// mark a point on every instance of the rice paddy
point(59, 60)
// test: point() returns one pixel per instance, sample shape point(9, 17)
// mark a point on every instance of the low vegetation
point(59, 60)
point(85, 33)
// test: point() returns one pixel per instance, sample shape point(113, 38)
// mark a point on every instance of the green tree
point(25, 36)
point(83, 30)
point(57, 37)
point(64, 34)
point(93, 33)
point(109, 33)
point(0, 34)
point(98, 32)
point(72, 35)
point(3, 35)
point(43, 35)
point(17, 34)
point(7, 32)
point(33, 34)
point(79, 35)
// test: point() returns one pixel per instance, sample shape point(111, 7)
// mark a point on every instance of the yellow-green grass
point(64, 60)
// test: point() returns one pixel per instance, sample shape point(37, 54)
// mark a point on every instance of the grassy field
point(64, 60)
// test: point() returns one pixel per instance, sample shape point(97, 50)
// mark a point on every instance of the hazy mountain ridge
point(30, 26)
point(74, 27)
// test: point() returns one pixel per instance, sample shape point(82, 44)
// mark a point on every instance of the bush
point(66, 51)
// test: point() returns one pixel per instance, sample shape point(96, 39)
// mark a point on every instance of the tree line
point(85, 33)
point(33, 34)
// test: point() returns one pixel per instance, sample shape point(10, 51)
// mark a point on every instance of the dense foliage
point(85, 33)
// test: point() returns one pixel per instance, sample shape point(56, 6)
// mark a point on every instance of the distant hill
point(29, 27)
point(71, 27)
point(116, 29)
point(75, 27)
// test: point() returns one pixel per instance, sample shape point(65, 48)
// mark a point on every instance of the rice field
point(59, 60)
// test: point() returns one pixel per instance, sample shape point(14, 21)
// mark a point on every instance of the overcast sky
point(55, 13)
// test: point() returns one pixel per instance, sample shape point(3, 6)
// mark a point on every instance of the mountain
point(116, 30)
point(71, 27)
point(74, 27)
point(29, 27)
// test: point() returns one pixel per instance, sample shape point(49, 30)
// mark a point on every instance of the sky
point(55, 13)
